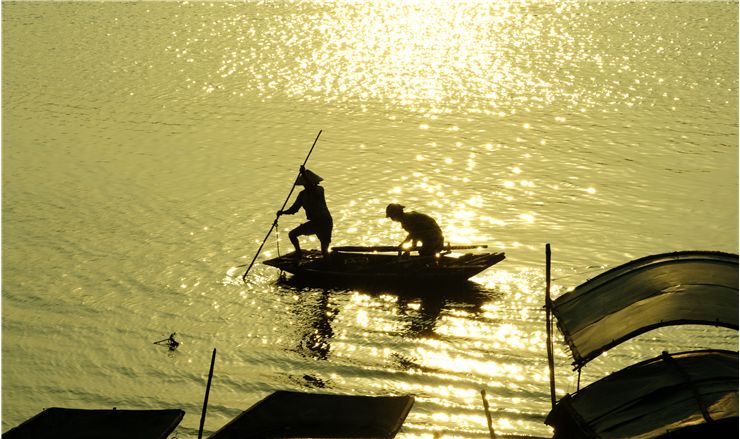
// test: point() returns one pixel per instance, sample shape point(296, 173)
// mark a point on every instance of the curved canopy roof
point(692, 287)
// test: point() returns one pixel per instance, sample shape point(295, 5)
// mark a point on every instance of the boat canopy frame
point(645, 294)
point(688, 287)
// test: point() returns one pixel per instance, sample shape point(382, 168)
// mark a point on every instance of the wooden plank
point(391, 248)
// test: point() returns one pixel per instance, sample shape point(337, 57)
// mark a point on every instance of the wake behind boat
point(371, 266)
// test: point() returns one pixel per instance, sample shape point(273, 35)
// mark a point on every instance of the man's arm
point(294, 208)
point(400, 246)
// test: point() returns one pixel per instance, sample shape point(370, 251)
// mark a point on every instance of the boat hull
point(384, 269)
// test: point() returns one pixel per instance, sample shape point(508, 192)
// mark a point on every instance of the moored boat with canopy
point(676, 395)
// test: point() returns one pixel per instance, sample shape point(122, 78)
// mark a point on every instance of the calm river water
point(147, 145)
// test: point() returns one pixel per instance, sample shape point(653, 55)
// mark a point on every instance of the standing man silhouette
point(312, 200)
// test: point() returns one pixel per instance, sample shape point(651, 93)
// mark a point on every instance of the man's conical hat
point(308, 178)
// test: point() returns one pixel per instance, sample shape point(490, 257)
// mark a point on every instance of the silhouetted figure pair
point(421, 228)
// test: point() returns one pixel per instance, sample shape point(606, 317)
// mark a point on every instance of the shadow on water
point(419, 311)
point(420, 306)
point(314, 321)
point(468, 292)
point(314, 314)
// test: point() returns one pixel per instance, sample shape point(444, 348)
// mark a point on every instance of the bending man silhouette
point(420, 228)
point(312, 200)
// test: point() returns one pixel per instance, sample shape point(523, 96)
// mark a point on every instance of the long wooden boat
point(369, 266)
point(286, 414)
point(282, 414)
point(69, 423)
point(677, 395)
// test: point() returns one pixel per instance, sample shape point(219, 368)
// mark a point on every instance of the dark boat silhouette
point(376, 266)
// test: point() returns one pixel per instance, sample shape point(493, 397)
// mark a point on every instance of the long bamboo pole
point(548, 306)
point(491, 431)
point(205, 401)
point(394, 248)
point(274, 223)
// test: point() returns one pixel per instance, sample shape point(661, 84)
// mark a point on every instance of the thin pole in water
point(274, 223)
point(205, 402)
point(488, 414)
point(548, 306)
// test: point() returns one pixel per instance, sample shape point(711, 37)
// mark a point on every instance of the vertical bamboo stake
point(548, 306)
point(488, 414)
point(205, 402)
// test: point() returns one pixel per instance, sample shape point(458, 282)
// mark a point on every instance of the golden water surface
point(146, 147)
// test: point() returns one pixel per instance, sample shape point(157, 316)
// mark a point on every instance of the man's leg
point(325, 248)
point(305, 229)
point(293, 235)
point(323, 232)
point(431, 248)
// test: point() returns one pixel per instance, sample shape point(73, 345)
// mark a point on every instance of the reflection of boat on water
point(375, 268)
point(466, 291)
point(417, 308)
point(686, 394)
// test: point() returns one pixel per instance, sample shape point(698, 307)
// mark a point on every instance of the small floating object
point(313, 381)
point(169, 342)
